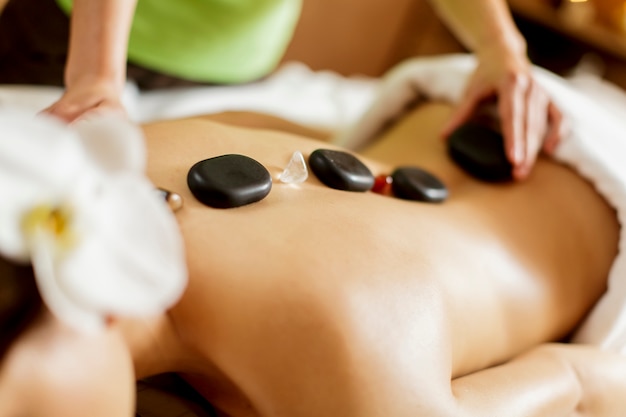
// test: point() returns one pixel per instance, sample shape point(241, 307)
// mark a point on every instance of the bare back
point(296, 297)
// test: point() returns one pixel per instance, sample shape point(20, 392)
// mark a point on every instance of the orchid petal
point(39, 159)
point(100, 241)
point(129, 263)
point(114, 143)
point(52, 293)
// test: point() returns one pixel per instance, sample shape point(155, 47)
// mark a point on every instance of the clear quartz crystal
point(296, 171)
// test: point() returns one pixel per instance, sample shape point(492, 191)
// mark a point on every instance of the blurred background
point(369, 36)
point(366, 38)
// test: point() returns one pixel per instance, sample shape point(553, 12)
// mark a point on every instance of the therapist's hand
point(86, 98)
point(530, 121)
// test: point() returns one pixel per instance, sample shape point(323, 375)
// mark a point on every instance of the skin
point(316, 301)
point(53, 371)
point(95, 71)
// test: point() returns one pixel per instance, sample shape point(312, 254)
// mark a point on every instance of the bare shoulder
point(70, 373)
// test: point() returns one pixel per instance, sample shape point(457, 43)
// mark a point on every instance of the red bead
point(382, 184)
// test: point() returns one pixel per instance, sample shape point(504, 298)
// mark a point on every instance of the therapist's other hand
point(84, 99)
point(530, 121)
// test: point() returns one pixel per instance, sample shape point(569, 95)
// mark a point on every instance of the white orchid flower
point(75, 203)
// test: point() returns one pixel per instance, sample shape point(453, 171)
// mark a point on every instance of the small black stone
point(341, 170)
point(412, 183)
point(229, 181)
point(479, 150)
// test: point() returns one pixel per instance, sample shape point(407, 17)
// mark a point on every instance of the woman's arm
point(530, 120)
point(95, 72)
point(483, 26)
point(551, 380)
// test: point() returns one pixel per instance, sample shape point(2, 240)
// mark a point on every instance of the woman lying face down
point(315, 301)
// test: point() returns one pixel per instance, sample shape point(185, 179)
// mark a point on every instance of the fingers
point(514, 123)
point(70, 111)
point(86, 98)
point(64, 111)
point(101, 110)
point(537, 124)
point(556, 131)
point(530, 123)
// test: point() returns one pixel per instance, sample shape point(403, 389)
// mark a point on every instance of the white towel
point(595, 148)
point(319, 99)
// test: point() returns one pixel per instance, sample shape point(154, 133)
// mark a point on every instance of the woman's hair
point(20, 301)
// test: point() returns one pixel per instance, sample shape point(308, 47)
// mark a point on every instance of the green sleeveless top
point(218, 41)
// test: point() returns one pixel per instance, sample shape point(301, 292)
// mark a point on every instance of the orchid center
point(52, 220)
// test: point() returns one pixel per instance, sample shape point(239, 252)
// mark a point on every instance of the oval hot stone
point(412, 183)
point(229, 181)
point(479, 150)
point(341, 170)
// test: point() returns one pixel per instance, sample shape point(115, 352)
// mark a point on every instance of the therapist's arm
point(482, 25)
point(530, 120)
point(95, 71)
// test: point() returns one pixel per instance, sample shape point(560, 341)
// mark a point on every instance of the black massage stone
point(341, 170)
point(412, 183)
point(229, 181)
point(479, 150)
